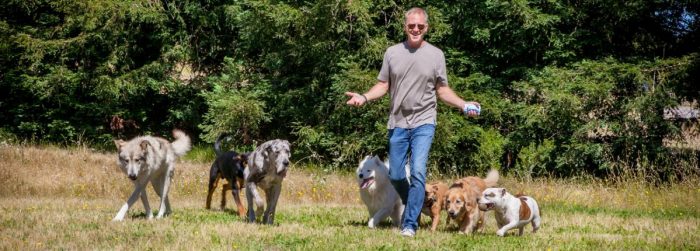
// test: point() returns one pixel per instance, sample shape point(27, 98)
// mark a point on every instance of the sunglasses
point(413, 26)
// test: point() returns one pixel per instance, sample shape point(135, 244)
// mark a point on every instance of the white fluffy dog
point(511, 212)
point(377, 193)
point(150, 159)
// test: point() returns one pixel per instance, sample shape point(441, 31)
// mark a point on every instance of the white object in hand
point(471, 107)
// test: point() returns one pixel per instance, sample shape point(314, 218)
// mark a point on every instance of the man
point(414, 73)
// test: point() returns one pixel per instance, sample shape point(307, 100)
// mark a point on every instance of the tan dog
point(461, 201)
point(434, 202)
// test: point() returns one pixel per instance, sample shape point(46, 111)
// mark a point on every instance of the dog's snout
point(286, 162)
point(361, 176)
point(132, 177)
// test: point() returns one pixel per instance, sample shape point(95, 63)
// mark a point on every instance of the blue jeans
point(418, 141)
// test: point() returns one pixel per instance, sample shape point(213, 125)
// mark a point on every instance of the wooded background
point(566, 87)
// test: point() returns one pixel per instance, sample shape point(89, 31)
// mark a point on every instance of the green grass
point(200, 153)
point(663, 213)
point(65, 223)
point(66, 198)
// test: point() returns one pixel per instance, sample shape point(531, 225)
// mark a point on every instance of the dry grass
point(54, 198)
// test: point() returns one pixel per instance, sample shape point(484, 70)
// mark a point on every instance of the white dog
point(150, 159)
point(511, 212)
point(267, 167)
point(377, 193)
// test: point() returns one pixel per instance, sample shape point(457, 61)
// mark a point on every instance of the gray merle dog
point(267, 168)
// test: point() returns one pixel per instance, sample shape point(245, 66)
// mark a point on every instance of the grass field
point(57, 198)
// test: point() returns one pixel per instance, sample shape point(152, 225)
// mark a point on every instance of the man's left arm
point(447, 95)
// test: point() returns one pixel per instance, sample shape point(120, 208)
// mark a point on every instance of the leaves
point(565, 86)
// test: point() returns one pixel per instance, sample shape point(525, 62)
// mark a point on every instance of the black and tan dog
point(230, 166)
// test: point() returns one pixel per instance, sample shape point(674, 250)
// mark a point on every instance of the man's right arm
point(377, 91)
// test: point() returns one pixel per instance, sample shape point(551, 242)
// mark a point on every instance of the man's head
point(415, 25)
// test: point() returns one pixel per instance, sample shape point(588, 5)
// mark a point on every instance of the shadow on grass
point(381, 225)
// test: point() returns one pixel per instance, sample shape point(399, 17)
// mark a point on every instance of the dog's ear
point(268, 149)
point(377, 160)
point(463, 197)
point(434, 187)
point(458, 184)
point(258, 159)
point(144, 145)
point(244, 158)
point(119, 143)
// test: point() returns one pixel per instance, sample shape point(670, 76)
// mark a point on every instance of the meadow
point(64, 198)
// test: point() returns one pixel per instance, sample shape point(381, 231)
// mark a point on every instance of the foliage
point(235, 107)
point(76, 64)
point(534, 158)
point(606, 112)
point(567, 87)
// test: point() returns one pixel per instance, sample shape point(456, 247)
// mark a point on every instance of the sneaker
point(408, 232)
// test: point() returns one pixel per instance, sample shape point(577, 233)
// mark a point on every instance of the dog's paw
point(371, 224)
point(501, 233)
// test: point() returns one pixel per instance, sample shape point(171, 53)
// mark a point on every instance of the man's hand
point(472, 109)
point(356, 99)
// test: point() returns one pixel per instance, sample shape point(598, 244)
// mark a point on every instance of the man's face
point(415, 27)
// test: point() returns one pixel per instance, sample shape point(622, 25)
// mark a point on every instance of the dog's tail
point(182, 143)
point(217, 144)
point(492, 178)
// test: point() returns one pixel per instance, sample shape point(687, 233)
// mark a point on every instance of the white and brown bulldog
point(511, 212)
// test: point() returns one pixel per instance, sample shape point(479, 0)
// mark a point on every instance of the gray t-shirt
point(412, 75)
